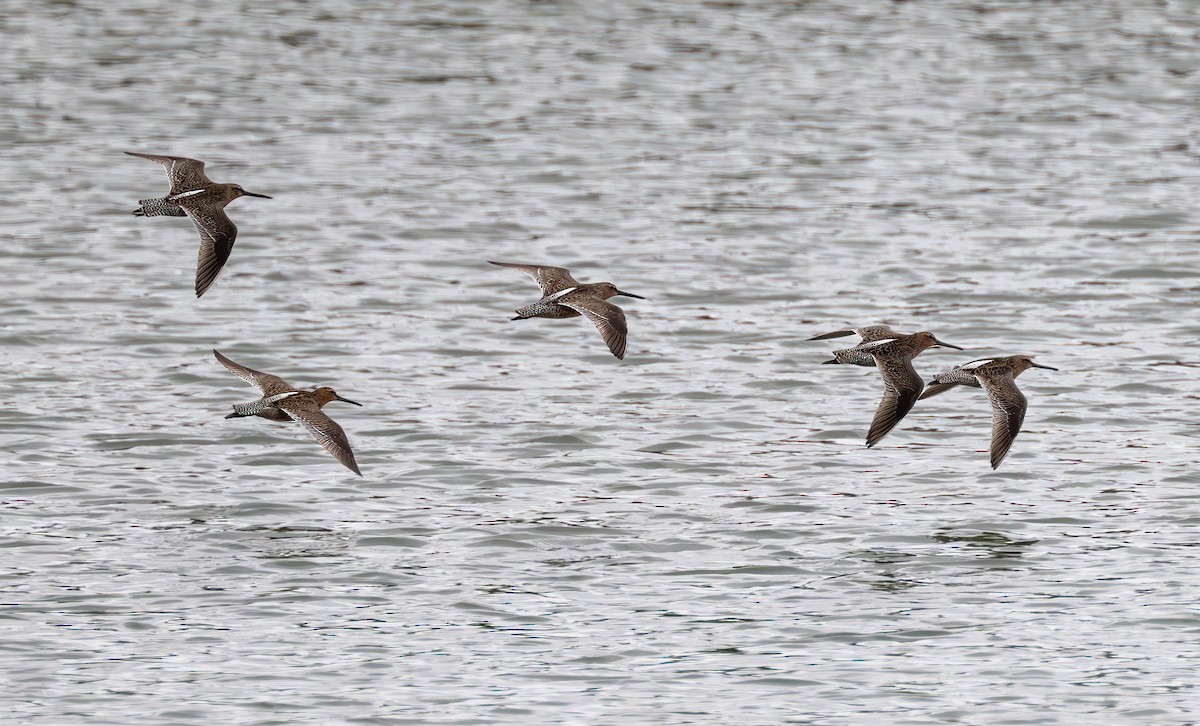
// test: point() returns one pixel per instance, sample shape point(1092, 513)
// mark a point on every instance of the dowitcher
point(195, 195)
point(996, 376)
point(852, 356)
point(282, 401)
point(565, 297)
point(901, 383)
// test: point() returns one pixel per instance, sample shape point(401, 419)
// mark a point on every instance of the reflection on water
point(994, 545)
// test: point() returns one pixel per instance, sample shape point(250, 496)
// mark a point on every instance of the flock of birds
point(192, 194)
point(892, 353)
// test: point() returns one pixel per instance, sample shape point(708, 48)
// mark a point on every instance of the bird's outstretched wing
point(901, 389)
point(550, 279)
point(867, 334)
point(184, 174)
point(608, 319)
point(324, 429)
point(217, 235)
point(1008, 413)
point(269, 385)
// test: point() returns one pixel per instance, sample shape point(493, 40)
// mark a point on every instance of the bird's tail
point(159, 208)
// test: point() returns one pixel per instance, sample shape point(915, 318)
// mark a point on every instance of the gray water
point(545, 534)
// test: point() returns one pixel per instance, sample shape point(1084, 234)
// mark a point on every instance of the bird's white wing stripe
point(559, 294)
point(975, 364)
point(874, 344)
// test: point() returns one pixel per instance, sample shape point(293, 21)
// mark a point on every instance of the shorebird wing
point(324, 429)
point(834, 334)
point(943, 382)
point(608, 319)
point(269, 385)
point(867, 334)
point(217, 235)
point(184, 174)
point(874, 346)
point(1008, 413)
point(876, 332)
point(550, 279)
point(901, 389)
point(973, 365)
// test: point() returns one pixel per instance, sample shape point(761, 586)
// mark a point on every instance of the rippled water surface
point(545, 534)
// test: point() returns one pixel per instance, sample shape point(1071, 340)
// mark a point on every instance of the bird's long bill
point(347, 400)
point(255, 194)
point(945, 345)
point(1039, 365)
point(834, 334)
point(630, 294)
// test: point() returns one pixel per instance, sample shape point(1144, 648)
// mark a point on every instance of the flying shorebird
point(282, 401)
point(852, 356)
point(565, 297)
point(901, 384)
point(195, 195)
point(997, 376)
